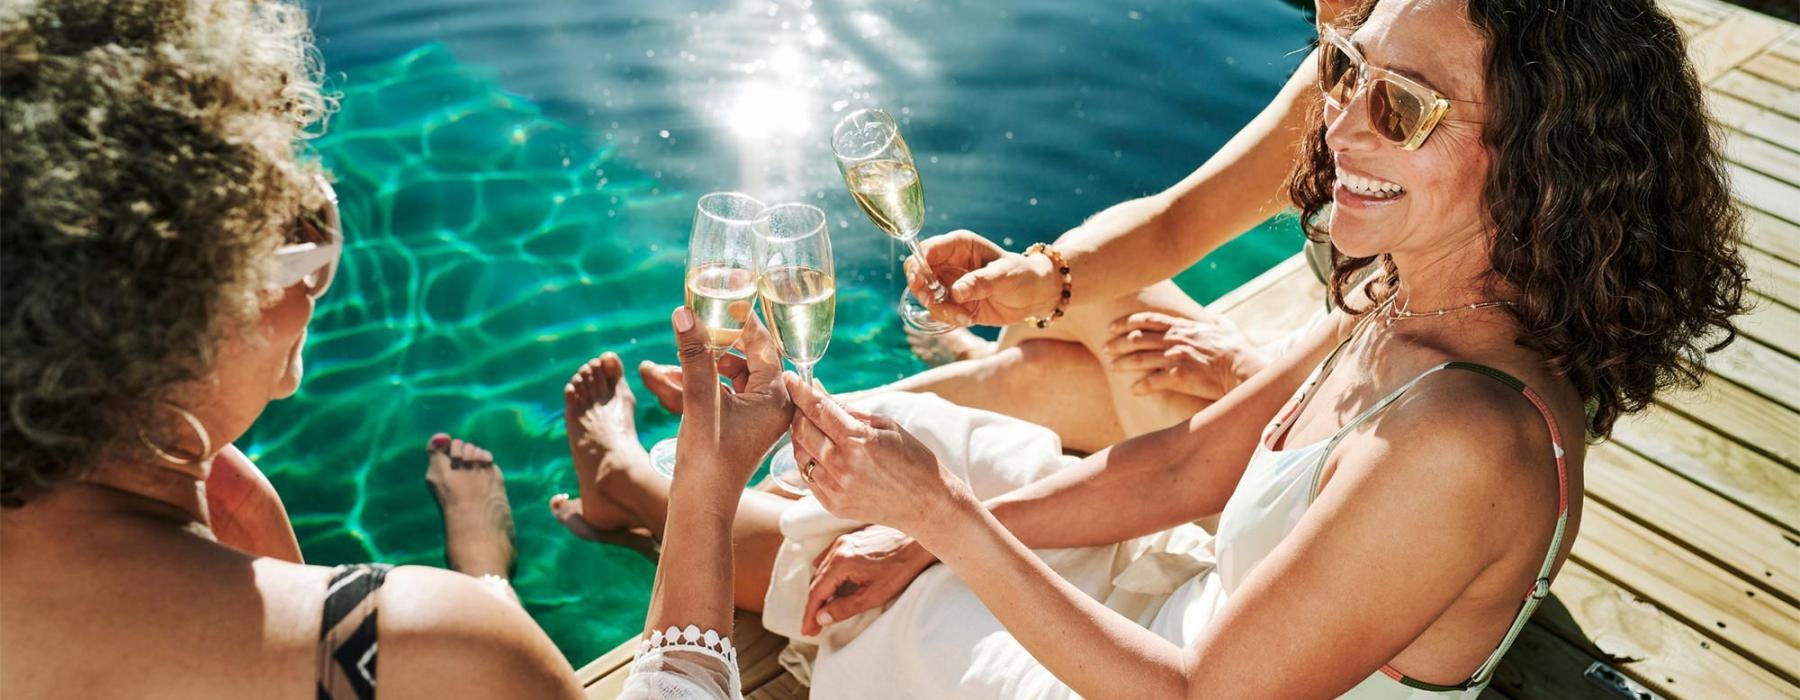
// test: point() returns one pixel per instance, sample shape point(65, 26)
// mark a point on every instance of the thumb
point(699, 374)
point(977, 285)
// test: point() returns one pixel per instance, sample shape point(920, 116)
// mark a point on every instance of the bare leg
point(620, 491)
point(1093, 407)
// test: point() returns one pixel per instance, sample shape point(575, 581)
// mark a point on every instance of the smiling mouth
point(1368, 186)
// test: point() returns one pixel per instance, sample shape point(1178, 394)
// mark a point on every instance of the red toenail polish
point(440, 441)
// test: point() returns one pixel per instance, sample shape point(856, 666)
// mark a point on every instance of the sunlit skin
point(1433, 519)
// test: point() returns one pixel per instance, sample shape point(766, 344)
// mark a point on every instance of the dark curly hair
point(149, 169)
point(1607, 198)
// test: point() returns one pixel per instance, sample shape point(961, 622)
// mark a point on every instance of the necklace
point(1395, 313)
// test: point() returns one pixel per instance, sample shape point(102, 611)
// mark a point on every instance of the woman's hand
point(721, 429)
point(1202, 357)
point(866, 467)
point(861, 570)
point(987, 285)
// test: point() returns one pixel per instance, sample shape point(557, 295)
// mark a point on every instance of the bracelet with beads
point(1062, 268)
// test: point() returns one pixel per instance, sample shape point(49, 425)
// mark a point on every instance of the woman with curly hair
point(1531, 236)
point(164, 246)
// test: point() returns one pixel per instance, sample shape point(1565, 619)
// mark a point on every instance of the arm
point(1404, 527)
point(1136, 243)
point(1140, 242)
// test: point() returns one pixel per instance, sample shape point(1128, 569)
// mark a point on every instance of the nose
point(1348, 129)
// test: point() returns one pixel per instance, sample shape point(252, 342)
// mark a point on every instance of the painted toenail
point(440, 440)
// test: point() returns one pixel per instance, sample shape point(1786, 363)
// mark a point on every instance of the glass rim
point(763, 222)
point(893, 133)
point(701, 209)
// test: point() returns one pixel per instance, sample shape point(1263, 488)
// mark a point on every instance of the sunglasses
point(1401, 110)
point(315, 243)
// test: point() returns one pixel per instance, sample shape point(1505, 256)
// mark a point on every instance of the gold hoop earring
point(193, 421)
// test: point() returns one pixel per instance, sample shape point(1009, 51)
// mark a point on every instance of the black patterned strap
point(347, 645)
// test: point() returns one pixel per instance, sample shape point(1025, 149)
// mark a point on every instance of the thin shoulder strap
point(1540, 587)
point(347, 648)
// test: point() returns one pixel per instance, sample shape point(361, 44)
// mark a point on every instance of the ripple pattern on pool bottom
point(490, 252)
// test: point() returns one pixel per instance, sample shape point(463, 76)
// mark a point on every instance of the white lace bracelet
point(690, 639)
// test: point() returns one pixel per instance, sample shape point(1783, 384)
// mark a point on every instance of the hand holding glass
point(878, 167)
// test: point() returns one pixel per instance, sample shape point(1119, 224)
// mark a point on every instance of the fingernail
point(684, 319)
point(825, 619)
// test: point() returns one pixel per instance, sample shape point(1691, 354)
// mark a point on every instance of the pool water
point(517, 181)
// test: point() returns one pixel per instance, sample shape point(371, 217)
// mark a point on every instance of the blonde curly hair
point(150, 166)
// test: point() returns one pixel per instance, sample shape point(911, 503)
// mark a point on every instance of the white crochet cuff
point(690, 639)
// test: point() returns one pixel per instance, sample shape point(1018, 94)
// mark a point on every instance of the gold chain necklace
point(1395, 313)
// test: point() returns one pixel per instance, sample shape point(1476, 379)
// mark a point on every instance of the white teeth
point(1368, 186)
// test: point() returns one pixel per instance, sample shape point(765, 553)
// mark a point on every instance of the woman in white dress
point(1540, 269)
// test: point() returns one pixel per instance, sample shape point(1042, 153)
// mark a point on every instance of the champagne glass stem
point(938, 293)
point(805, 370)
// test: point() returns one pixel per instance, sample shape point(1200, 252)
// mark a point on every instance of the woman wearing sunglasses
point(164, 247)
point(1531, 236)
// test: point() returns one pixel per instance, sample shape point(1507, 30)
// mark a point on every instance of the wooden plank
point(1776, 128)
point(1773, 236)
point(1754, 89)
point(1773, 324)
point(1765, 193)
point(1543, 665)
point(1727, 408)
point(1273, 277)
point(1689, 12)
point(1764, 157)
point(1748, 547)
point(1715, 461)
point(1730, 111)
point(1279, 308)
point(1773, 67)
point(1761, 369)
point(1788, 47)
point(1731, 42)
point(1773, 277)
point(1645, 643)
point(611, 662)
point(784, 687)
point(1718, 604)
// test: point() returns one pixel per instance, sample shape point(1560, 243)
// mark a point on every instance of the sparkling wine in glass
point(878, 167)
point(798, 285)
point(721, 279)
point(797, 282)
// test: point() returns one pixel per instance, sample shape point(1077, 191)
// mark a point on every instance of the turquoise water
point(517, 183)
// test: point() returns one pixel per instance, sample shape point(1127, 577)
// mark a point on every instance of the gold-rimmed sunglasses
point(1401, 110)
point(314, 246)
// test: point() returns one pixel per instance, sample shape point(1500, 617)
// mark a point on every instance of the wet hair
point(151, 165)
point(1607, 198)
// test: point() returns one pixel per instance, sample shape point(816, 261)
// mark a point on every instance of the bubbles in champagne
point(721, 295)
point(800, 304)
point(890, 192)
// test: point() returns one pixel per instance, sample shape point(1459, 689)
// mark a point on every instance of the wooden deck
point(1686, 575)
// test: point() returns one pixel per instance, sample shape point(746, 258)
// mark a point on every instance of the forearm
point(1139, 242)
point(1158, 480)
point(1094, 650)
point(694, 571)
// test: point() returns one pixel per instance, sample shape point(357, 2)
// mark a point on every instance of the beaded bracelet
point(1062, 267)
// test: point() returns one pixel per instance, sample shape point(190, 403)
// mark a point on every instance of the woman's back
point(103, 595)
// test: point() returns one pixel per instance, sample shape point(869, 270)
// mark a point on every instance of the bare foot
point(663, 382)
point(568, 512)
point(603, 440)
point(471, 492)
point(945, 348)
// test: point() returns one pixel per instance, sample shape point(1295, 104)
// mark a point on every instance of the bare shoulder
point(444, 634)
point(1475, 445)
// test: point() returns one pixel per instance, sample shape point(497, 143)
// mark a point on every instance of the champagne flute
point(878, 167)
point(797, 282)
point(798, 286)
point(721, 280)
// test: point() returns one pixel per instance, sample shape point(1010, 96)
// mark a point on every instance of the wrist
point(947, 522)
point(1055, 284)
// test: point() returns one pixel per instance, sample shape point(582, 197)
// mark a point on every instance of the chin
point(1352, 238)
